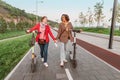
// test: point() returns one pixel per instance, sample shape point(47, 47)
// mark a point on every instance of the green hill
point(16, 18)
point(10, 12)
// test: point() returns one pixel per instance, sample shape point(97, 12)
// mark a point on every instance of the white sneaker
point(42, 59)
point(65, 61)
point(45, 64)
point(62, 64)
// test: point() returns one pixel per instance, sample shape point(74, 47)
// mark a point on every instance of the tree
point(117, 14)
point(75, 22)
point(83, 19)
point(3, 25)
point(99, 16)
point(90, 17)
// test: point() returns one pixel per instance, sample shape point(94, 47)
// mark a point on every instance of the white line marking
point(10, 74)
point(68, 74)
point(101, 60)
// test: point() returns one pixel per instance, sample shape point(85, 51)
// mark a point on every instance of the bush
point(3, 25)
point(19, 26)
point(12, 26)
point(23, 25)
point(99, 30)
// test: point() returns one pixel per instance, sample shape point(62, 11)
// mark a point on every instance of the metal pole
point(113, 24)
point(36, 11)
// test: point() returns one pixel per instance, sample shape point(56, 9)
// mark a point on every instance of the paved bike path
point(89, 67)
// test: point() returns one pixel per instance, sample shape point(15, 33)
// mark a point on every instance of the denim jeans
point(44, 51)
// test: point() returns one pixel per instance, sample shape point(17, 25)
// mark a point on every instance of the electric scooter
point(33, 55)
point(72, 54)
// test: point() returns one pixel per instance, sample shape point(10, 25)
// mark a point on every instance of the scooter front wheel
point(32, 66)
point(74, 63)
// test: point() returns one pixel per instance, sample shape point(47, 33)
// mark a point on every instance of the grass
point(10, 34)
point(11, 52)
point(99, 30)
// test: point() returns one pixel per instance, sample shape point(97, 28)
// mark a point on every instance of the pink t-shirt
point(42, 30)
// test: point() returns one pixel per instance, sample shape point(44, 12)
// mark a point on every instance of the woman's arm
point(59, 32)
point(51, 34)
point(34, 28)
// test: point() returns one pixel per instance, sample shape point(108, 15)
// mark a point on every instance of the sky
point(53, 9)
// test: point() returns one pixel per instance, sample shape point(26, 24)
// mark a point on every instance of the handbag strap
point(63, 30)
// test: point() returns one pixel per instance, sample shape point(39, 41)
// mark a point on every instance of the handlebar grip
point(27, 32)
point(77, 31)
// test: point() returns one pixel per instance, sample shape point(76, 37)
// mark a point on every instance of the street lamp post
point(113, 24)
point(37, 10)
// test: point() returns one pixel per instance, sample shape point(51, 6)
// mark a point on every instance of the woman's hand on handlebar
point(27, 31)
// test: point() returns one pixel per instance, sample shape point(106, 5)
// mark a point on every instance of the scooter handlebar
point(76, 30)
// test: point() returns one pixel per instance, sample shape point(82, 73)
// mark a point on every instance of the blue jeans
point(44, 51)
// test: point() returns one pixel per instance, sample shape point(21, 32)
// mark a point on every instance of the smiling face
point(44, 19)
point(65, 18)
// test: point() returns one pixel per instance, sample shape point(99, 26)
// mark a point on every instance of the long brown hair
point(66, 17)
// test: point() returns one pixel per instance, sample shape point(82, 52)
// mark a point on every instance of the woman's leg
point(45, 52)
point(62, 52)
point(65, 49)
point(41, 50)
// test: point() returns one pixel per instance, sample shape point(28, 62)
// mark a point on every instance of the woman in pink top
point(43, 31)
